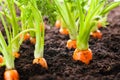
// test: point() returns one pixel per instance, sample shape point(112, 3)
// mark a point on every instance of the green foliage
point(47, 8)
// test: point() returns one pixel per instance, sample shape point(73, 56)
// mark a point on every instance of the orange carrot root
point(82, 55)
point(99, 24)
point(97, 34)
point(64, 31)
point(71, 44)
point(41, 61)
point(11, 75)
point(33, 40)
point(1, 59)
point(57, 24)
point(26, 36)
point(16, 54)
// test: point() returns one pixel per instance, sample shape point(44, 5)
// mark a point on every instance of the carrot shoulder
point(41, 61)
point(97, 34)
point(64, 31)
point(11, 75)
point(1, 59)
point(57, 23)
point(83, 55)
point(26, 36)
point(16, 54)
point(71, 44)
point(32, 40)
point(99, 24)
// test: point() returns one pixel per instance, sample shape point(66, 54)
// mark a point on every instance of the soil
point(104, 66)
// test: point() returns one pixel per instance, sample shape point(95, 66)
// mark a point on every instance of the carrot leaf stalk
point(8, 48)
point(68, 18)
point(35, 26)
point(88, 21)
point(14, 24)
point(82, 51)
point(102, 20)
point(8, 60)
point(39, 34)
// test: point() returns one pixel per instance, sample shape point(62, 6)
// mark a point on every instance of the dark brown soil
point(104, 66)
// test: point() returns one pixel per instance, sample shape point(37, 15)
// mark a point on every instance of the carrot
point(99, 24)
point(64, 31)
point(71, 44)
point(40, 61)
point(1, 59)
point(83, 55)
point(57, 23)
point(26, 36)
point(97, 34)
point(16, 54)
point(32, 40)
point(11, 75)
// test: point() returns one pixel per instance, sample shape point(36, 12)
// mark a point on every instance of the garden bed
point(104, 66)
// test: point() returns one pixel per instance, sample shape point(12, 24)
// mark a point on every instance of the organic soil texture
point(104, 66)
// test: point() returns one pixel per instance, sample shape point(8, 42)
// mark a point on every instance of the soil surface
point(104, 66)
